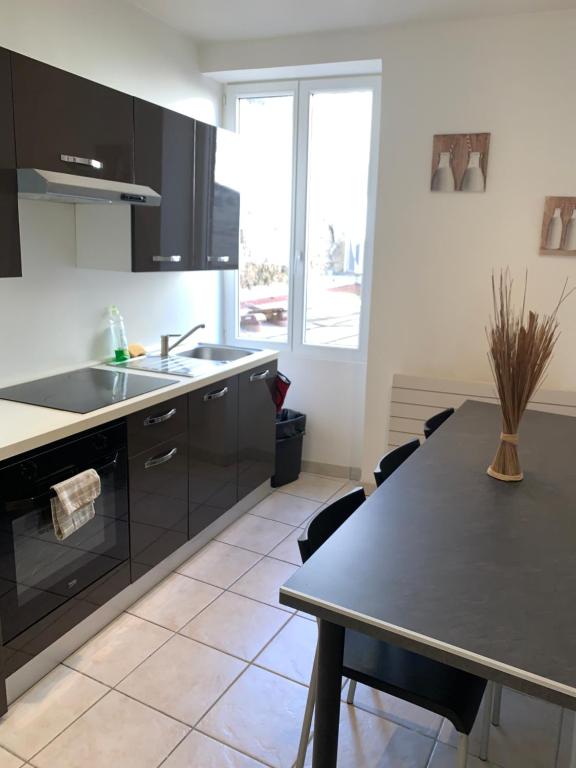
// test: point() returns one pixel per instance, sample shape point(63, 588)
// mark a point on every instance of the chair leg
point(351, 692)
point(496, 704)
point(463, 751)
point(308, 715)
point(485, 737)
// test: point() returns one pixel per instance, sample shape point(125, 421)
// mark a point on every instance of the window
point(307, 179)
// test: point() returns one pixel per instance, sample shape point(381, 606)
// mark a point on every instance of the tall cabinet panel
point(213, 452)
point(256, 428)
point(217, 199)
point(164, 160)
point(10, 265)
point(69, 124)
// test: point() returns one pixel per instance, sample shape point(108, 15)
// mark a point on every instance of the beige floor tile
point(263, 581)
point(288, 550)
point(527, 735)
point(285, 508)
point(398, 711)
point(8, 760)
point(291, 653)
point(314, 487)
point(182, 679)
point(236, 625)
point(366, 741)
point(118, 649)
point(175, 601)
point(445, 757)
point(199, 751)
point(219, 564)
point(260, 715)
point(117, 732)
point(255, 533)
point(46, 709)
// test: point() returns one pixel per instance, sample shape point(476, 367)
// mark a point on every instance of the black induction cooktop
point(85, 390)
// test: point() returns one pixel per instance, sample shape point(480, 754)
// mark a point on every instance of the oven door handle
point(19, 503)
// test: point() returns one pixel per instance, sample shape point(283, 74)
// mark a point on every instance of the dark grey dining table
point(448, 562)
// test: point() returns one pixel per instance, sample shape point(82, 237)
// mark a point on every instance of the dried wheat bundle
point(520, 348)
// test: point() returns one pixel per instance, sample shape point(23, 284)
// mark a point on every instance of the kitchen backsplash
point(57, 312)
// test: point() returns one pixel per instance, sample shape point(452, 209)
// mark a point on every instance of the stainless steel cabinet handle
point(219, 259)
point(260, 376)
point(156, 462)
point(149, 420)
point(215, 395)
point(174, 259)
point(82, 161)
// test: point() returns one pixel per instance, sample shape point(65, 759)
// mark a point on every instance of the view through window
point(322, 257)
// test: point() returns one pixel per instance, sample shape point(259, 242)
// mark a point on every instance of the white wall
point(53, 317)
point(512, 76)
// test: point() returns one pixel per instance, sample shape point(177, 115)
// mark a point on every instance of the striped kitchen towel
point(73, 504)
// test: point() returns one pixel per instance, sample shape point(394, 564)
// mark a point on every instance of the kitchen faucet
point(166, 347)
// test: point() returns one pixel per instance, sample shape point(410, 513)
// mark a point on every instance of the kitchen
point(136, 106)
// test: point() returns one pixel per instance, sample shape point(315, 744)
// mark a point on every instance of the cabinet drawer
point(154, 425)
point(158, 503)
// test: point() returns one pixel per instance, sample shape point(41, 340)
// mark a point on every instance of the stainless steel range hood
point(68, 188)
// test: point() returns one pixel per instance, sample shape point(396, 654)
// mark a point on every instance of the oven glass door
point(38, 573)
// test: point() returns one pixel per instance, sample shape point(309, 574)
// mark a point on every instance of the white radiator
point(416, 398)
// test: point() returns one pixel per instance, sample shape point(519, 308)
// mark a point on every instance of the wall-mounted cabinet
point(164, 160)
point(72, 125)
point(217, 199)
point(10, 265)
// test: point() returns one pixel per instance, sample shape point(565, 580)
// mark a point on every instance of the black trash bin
point(290, 429)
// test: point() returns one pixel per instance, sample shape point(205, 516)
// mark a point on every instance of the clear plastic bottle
point(118, 334)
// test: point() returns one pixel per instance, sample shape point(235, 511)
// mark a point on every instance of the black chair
point(392, 460)
point(432, 424)
point(430, 684)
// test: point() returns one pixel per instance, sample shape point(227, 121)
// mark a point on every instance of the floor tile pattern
point(208, 670)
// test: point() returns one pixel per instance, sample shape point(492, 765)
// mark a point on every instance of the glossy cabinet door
point(256, 428)
point(213, 452)
point(69, 124)
point(10, 264)
point(158, 481)
point(217, 200)
point(164, 160)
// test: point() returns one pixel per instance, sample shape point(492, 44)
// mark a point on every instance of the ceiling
point(207, 20)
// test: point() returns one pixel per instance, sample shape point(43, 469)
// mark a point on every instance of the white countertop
point(24, 427)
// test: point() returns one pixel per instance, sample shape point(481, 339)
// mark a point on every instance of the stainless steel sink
point(216, 353)
point(197, 361)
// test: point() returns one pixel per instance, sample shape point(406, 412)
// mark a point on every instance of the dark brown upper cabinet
point(10, 264)
point(217, 199)
point(162, 238)
point(69, 124)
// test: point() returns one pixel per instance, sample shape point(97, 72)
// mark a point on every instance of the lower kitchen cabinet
point(256, 427)
point(158, 503)
point(213, 452)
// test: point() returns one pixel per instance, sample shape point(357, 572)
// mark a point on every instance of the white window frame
point(301, 91)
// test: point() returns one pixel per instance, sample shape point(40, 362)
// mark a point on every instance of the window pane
point(266, 126)
point(338, 160)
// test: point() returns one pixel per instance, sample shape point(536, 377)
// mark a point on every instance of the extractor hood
point(68, 188)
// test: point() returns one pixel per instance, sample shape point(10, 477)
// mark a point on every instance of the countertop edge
point(68, 424)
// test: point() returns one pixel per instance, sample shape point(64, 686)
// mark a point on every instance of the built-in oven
point(47, 586)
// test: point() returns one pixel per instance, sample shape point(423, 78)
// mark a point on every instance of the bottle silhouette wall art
point(459, 162)
point(559, 227)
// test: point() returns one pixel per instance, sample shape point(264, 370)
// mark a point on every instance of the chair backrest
point(432, 424)
point(392, 460)
point(328, 520)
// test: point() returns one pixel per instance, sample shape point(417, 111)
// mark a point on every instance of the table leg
point(327, 712)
